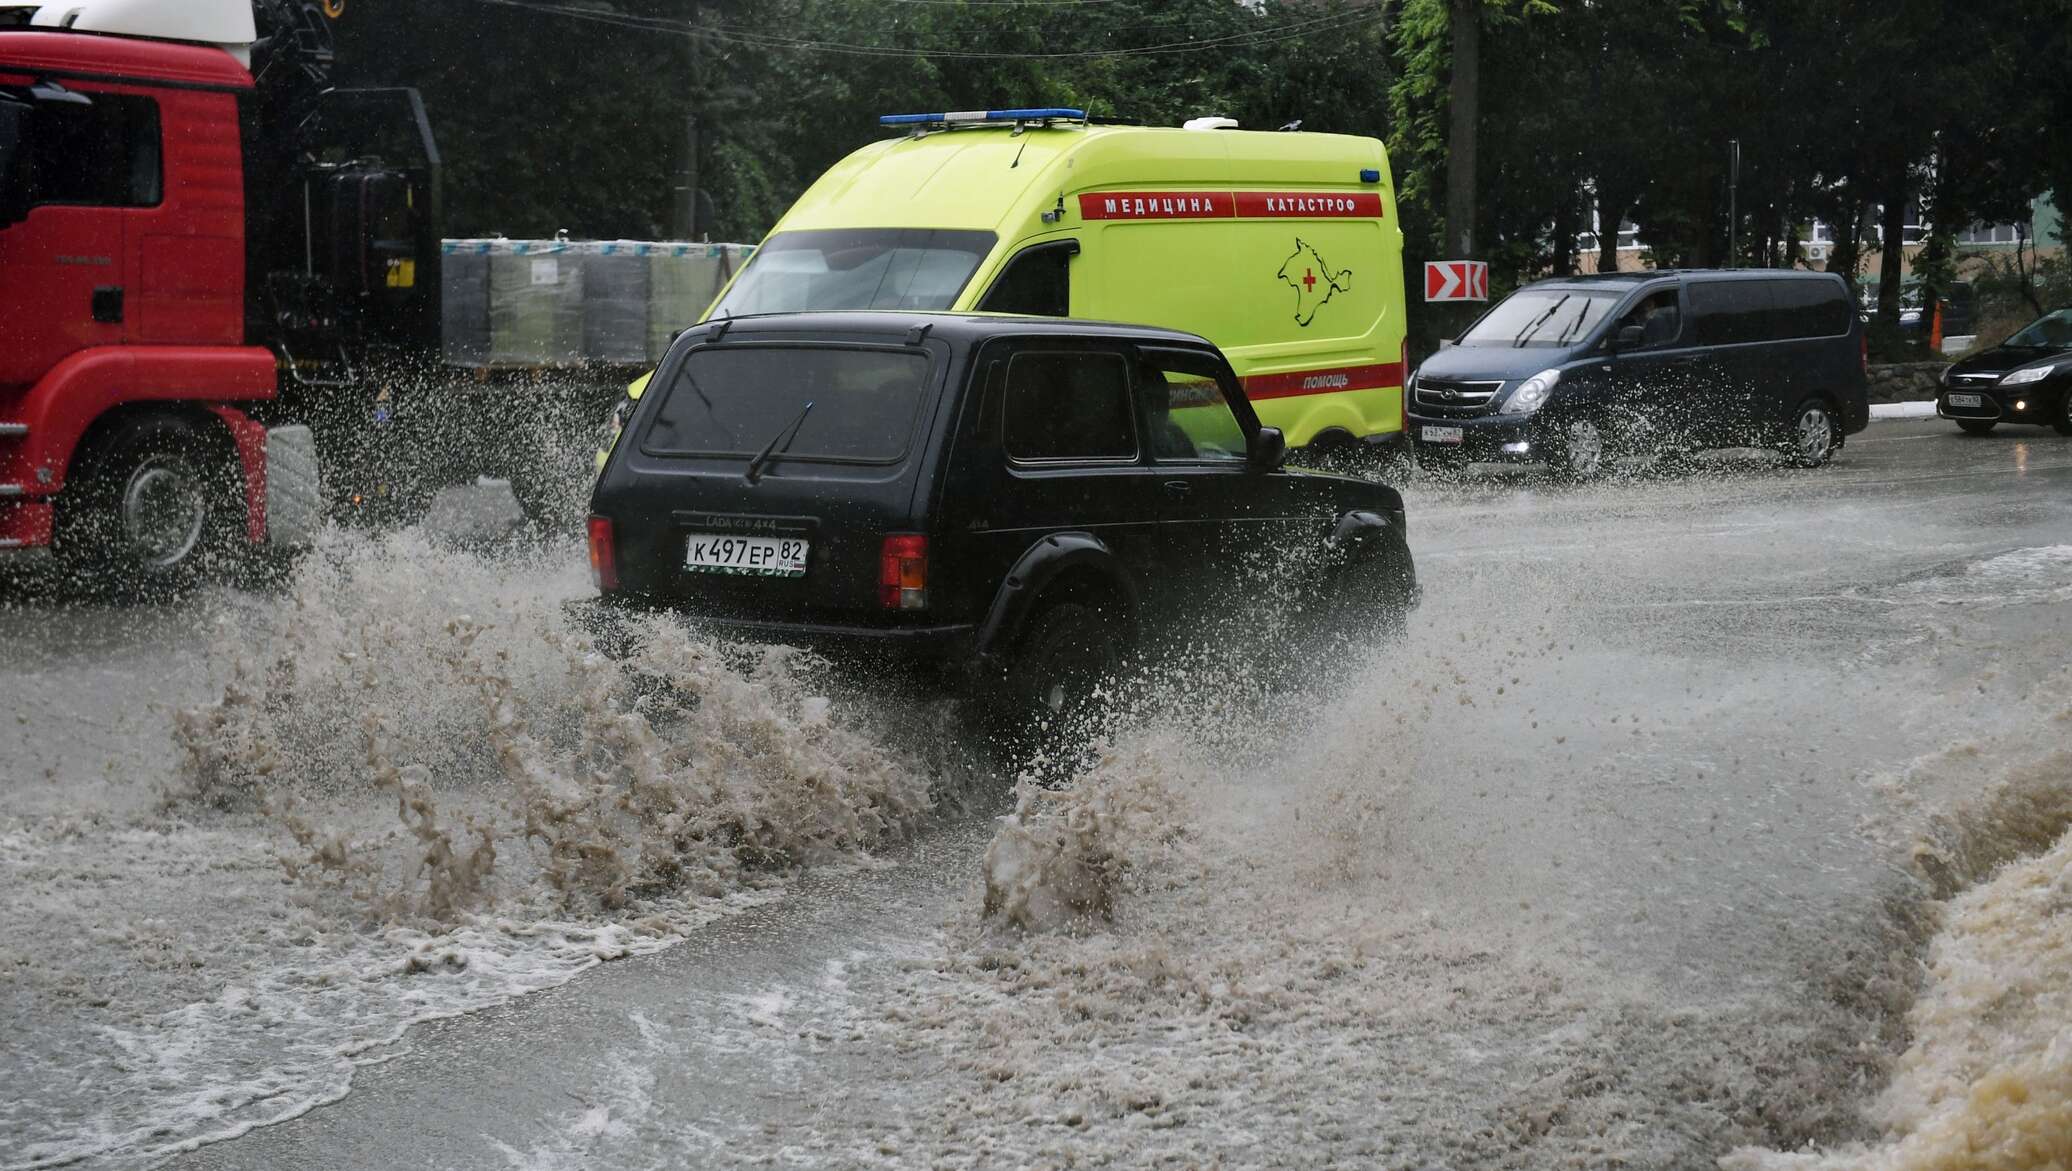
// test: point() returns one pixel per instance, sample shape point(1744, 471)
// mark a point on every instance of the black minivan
point(1017, 503)
point(1574, 370)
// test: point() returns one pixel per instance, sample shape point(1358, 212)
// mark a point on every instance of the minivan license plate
point(1966, 400)
point(753, 556)
point(1442, 435)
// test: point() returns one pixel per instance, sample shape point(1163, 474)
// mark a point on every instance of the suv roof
point(964, 327)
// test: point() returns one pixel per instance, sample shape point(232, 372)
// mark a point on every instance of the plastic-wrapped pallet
point(682, 281)
point(535, 303)
point(615, 300)
point(464, 302)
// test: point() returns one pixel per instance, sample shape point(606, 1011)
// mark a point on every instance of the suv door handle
point(1178, 487)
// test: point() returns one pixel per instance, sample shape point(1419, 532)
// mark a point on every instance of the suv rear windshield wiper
point(777, 444)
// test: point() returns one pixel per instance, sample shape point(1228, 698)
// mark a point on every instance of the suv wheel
point(2063, 423)
point(1068, 652)
point(1581, 452)
point(1811, 439)
point(1977, 426)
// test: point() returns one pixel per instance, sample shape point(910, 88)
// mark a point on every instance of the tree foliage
point(571, 113)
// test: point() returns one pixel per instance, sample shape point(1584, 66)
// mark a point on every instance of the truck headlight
point(1532, 393)
point(2032, 374)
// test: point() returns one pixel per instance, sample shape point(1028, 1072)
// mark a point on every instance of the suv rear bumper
point(612, 622)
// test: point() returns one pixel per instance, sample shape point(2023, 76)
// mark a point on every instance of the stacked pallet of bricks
point(547, 303)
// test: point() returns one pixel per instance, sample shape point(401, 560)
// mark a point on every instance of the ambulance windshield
point(856, 268)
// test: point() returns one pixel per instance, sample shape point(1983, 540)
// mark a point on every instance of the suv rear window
point(733, 400)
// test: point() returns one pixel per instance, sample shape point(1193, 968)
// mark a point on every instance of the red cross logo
point(1309, 280)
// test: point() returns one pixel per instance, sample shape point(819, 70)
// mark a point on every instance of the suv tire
point(1067, 652)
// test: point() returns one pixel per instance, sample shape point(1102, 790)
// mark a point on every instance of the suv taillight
point(903, 572)
point(604, 555)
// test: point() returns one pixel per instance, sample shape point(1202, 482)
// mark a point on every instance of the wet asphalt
point(1781, 634)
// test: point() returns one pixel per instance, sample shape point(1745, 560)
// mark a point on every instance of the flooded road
point(1634, 854)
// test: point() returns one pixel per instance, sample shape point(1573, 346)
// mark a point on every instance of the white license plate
point(753, 556)
point(1441, 435)
point(1967, 400)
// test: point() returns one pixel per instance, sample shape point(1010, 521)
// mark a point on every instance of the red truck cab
point(126, 379)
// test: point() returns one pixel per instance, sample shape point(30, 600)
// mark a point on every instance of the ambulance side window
point(1036, 283)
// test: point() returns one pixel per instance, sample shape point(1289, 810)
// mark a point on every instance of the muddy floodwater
point(1708, 816)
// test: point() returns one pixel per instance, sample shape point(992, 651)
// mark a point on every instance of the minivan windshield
point(2052, 331)
point(739, 399)
point(1542, 317)
point(856, 268)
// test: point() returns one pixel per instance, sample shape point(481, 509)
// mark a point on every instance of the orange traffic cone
point(1935, 328)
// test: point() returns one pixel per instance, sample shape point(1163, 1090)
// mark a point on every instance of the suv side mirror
point(1629, 337)
point(1268, 449)
point(14, 176)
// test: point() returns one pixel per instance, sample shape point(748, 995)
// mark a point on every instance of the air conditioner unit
point(1816, 252)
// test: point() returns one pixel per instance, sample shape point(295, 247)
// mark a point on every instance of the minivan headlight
point(1531, 393)
point(2031, 374)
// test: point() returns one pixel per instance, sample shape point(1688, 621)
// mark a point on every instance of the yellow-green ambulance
point(1280, 247)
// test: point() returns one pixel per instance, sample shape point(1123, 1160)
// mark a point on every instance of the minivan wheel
point(1582, 452)
point(1811, 441)
point(1977, 426)
point(1068, 652)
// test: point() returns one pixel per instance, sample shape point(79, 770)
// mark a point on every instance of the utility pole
point(1466, 20)
point(683, 178)
point(1733, 199)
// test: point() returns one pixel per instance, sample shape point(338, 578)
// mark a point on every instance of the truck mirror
point(14, 178)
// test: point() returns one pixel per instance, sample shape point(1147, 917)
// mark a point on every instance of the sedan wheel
point(2063, 423)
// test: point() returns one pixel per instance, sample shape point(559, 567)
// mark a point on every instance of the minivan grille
point(1445, 396)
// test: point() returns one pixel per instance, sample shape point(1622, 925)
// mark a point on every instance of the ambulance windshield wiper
point(777, 444)
point(1525, 335)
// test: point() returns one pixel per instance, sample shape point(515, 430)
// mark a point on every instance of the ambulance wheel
point(1977, 426)
point(151, 505)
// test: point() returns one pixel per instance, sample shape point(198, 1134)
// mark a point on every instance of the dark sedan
point(2025, 379)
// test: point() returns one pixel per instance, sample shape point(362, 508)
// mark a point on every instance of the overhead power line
point(1291, 30)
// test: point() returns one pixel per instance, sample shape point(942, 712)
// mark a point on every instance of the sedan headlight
point(1531, 393)
point(2030, 374)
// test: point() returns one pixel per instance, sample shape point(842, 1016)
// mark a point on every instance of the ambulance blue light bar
point(977, 117)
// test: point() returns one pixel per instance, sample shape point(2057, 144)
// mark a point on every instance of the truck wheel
point(1810, 440)
point(1977, 426)
point(1048, 696)
point(151, 506)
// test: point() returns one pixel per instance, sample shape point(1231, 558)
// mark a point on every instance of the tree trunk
point(1892, 240)
point(1847, 254)
point(1466, 18)
point(1566, 215)
point(1611, 212)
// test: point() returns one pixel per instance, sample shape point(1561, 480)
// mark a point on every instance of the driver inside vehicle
point(1657, 318)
